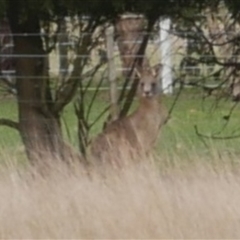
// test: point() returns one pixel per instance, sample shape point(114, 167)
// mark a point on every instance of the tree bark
point(39, 127)
point(63, 50)
point(130, 34)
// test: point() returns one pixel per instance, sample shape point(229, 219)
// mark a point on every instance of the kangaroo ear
point(156, 69)
point(138, 72)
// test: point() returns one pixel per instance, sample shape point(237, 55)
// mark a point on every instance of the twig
point(213, 136)
point(176, 98)
point(227, 118)
point(9, 123)
point(99, 116)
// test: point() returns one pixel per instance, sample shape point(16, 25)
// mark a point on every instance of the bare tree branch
point(9, 123)
point(67, 89)
point(212, 136)
point(137, 62)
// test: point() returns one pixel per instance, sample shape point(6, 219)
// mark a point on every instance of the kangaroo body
point(137, 133)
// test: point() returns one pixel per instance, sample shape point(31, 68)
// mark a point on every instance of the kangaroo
point(137, 131)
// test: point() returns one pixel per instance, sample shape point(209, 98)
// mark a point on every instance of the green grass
point(9, 138)
point(178, 136)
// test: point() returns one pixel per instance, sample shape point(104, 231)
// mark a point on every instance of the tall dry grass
point(198, 200)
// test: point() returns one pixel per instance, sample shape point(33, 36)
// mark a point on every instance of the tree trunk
point(130, 34)
point(113, 92)
point(39, 127)
point(63, 50)
point(137, 51)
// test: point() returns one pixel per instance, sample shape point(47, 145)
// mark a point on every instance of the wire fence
point(178, 51)
point(185, 58)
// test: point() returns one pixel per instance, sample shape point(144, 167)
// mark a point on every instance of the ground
point(191, 191)
point(177, 137)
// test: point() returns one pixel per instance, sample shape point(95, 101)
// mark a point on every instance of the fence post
point(63, 42)
point(112, 73)
point(165, 55)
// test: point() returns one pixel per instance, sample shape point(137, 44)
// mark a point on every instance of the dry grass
point(195, 201)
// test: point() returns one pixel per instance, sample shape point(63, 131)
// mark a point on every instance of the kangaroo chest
point(146, 123)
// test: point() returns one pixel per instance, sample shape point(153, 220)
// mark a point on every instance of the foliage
point(178, 136)
point(112, 8)
point(25, 16)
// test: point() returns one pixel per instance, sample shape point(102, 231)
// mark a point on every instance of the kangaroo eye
point(141, 84)
point(153, 85)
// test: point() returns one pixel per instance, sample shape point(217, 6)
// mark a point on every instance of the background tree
point(39, 106)
point(212, 48)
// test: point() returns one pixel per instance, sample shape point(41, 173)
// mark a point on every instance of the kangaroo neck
point(148, 103)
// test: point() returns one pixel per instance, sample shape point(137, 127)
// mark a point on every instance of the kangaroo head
point(149, 84)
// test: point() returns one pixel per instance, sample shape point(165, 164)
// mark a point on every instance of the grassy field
point(198, 201)
point(177, 137)
point(190, 190)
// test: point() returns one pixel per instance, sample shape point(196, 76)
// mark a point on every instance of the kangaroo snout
point(147, 93)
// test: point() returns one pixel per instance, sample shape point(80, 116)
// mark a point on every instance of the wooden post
point(165, 50)
point(63, 50)
point(112, 73)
